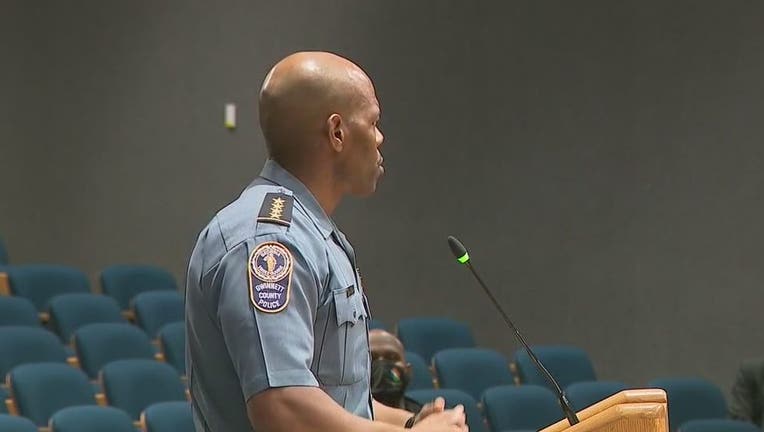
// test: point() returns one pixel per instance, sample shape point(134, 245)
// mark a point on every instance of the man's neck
point(322, 185)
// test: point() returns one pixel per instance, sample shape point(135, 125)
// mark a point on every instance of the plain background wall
point(601, 160)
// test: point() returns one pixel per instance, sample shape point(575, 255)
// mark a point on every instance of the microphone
point(460, 252)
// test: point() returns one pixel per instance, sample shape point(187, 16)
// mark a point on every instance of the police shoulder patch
point(277, 208)
point(270, 277)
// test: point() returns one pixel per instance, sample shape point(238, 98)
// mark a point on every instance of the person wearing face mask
point(747, 395)
point(390, 373)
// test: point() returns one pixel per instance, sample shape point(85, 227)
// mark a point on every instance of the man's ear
point(336, 134)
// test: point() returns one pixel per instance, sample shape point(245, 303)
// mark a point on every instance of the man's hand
point(434, 407)
point(452, 420)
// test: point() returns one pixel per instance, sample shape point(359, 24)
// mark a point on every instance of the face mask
point(389, 380)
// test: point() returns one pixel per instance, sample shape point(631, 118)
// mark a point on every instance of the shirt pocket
point(352, 334)
point(349, 307)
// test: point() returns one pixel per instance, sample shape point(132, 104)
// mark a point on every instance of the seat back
point(91, 419)
point(691, 399)
point(426, 336)
point(719, 425)
point(520, 407)
point(172, 339)
point(155, 309)
point(472, 370)
point(69, 312)
point(123, 282)
point(375, 324)
point(18, 311)
point(10, 423)
point(101, 343)
point(586, 393)
point(133, 385)
point(41, 282)
point(168, 417)
point(568, 365)
point(3, 396)
point(21, 345)
point(41, 389)
point(453, 397)
point(421, 378)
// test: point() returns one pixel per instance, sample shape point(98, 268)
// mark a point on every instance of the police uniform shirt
point(273, 299)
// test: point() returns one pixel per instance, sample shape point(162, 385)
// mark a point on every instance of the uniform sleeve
point(269, 346)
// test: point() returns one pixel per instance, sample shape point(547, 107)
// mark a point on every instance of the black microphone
point(460, 252)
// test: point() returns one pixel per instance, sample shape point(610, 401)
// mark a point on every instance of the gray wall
point(602, 160)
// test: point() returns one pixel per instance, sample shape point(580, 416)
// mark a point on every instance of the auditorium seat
point(41, 282)
point(426, 336)
point(172, 343)
point(3, 396)
point(526, 407)
point(586, 393)
point(471, 370)
point(720, 425)
point(421, 378)
point(375, 324)
point(691, 399)
point(41, 389)
point(102, 343)
point(10, 423)
point(453, 397)
point(69, 312)
point(91, 419)
point(123, 282)
point(168, 417)
point(567, 364)
point(21, 345)
point(156, 308)
point(133, 385)
point(18, 311)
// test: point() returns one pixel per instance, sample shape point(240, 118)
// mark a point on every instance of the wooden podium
point(641, 410)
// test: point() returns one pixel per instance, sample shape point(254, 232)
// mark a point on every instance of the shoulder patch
point(277, 208)
point(270, 277)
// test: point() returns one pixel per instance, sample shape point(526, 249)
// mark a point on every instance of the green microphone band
point(464, 258)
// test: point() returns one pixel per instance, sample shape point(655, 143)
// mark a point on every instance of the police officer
point(276, 316)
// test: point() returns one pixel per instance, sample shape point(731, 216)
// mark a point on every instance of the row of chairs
point(39, 283)
point(39, 391)
point(447, 348)
point(425, 337)
point(433, 337)
point(68, 312)
point(476, 372)
point(473, 370)
point(159, 417)
point(530, 408)
point(39, 382)
point(95, 345)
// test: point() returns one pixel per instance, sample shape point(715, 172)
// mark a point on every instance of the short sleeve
point(271, 345)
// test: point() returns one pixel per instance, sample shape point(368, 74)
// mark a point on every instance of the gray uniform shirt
point(273, 299)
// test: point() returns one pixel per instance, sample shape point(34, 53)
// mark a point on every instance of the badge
point(270, 277)
point(277, 208)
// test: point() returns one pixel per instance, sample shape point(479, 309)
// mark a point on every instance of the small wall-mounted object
point(230, 116)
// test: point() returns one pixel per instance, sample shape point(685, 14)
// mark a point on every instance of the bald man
point(276, 316)
point(390, 372)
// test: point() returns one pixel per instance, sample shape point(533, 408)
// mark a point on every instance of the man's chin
point(365, 192)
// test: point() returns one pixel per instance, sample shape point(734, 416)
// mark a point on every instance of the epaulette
point(277, 208)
